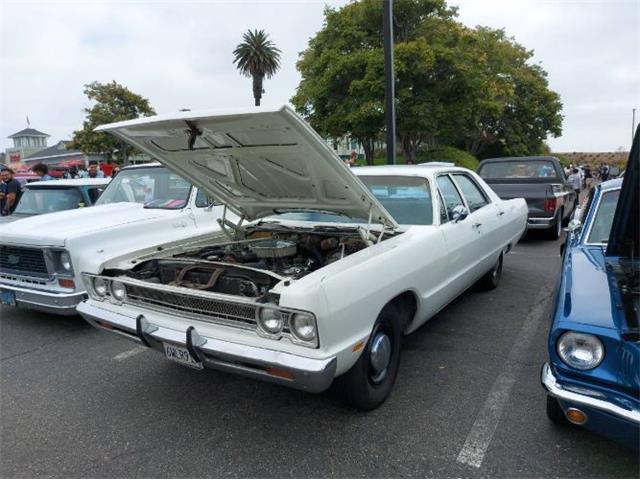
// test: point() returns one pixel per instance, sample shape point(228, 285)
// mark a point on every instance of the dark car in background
point(55, 196)
point(541, 182)
point(592, 377)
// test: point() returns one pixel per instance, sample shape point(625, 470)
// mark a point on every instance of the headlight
point(271, 320)
point(118, 290)
point(100, 286)
point(303, 326)
point(65, 261)
point(580, 350)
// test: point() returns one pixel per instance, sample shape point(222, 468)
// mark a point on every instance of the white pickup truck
point(41, 257)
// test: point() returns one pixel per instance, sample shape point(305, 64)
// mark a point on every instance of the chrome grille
point(22, 260)
point(215, 311)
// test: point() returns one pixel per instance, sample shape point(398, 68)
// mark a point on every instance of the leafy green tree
point(472, 88)
point(113, 103)
point(257, 57)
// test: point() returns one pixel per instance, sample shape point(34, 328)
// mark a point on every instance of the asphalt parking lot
point(76, 402)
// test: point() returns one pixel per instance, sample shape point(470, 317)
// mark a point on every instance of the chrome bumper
point(549, 382)
point(540, 222)
point(44, 301)
point(303, 373)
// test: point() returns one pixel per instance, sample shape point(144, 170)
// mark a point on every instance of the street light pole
point(389, 87)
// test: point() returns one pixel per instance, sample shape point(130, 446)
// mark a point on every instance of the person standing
point(604, 172)
point(42, 170)
point(93, 171)
point(588, 178)
point(576, 182)
point(10, 192)
point(353, 159)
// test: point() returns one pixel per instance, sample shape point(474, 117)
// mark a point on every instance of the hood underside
point(258, 163)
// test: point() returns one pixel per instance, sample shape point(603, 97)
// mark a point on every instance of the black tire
point(491, 279)
point(555, 232)
point(362, 387)
point(554, 412)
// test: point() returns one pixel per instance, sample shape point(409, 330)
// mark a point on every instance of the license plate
point(181, 355)
point(7, 297)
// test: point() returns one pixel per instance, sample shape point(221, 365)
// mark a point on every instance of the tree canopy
point(471, 88)
point(113, 103)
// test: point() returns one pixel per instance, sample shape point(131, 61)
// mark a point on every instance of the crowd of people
point(11, 188)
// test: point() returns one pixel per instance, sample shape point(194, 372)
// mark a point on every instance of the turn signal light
point(278, 372)
point(576, 416)
point(66, 283)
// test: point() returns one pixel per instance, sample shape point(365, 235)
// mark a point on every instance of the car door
point(485, 220)
point(460, 236)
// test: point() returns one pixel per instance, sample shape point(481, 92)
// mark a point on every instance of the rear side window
point(449, 194)
point(475, 197)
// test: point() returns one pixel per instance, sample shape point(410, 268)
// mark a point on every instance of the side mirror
point(459, 213)
point(574, 225)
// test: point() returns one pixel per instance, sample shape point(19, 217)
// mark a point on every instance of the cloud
point(178, 54)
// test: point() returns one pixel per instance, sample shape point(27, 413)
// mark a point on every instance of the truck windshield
point(518, 169)
point(155, 187)
point(36, 201)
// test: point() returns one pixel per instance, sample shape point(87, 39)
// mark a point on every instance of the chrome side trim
point(556, 390)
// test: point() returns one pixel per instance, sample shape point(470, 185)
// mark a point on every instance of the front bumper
point(534, 223)
point(45, 301)
point(594, 400)
point(303, 373)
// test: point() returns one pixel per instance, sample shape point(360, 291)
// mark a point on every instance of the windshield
point(35, 201)
point(155, 187)
point(601, 224)
point(518, 169)
point(407, 199)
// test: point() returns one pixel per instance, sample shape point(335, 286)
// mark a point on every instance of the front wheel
point(370, 381)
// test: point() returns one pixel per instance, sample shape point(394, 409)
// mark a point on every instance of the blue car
point(592, 378)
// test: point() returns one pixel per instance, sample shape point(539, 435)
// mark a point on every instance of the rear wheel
point(555, 231)
point(491, 279)
point(370, 381)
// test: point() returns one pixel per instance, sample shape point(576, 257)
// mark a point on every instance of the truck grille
point(215, 311)
point(23, 261)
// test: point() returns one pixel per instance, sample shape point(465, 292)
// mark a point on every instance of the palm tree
point(257, 57)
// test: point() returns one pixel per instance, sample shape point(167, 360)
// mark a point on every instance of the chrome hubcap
point(380, 356)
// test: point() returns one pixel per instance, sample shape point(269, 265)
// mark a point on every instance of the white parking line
point(481, 434)
point(130, 353)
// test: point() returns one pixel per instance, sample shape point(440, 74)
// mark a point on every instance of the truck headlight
point(303, 326)
point(65, 262)
point(270, 320)
point(580, 350)
point(118, 290)
point(100, 286)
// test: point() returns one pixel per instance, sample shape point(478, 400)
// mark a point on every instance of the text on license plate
point(181, 355)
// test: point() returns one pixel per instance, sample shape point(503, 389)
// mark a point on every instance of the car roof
point(70, 182)
point(142, 165)
point(511, 159)
point(614, 184)
point(421, 170)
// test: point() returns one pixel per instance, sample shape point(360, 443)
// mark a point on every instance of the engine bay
point(253, 266)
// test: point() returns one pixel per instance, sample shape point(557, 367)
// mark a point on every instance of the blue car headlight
point(580, 350)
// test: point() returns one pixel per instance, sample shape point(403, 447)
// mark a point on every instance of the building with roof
point(25, 142)
point(60, 154)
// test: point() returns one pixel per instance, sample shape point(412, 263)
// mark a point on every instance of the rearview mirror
point(459, 213)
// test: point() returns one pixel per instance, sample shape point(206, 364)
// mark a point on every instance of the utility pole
point(389, 86)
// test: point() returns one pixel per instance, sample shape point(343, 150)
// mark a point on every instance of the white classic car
point(41, 257)
point(333, 266)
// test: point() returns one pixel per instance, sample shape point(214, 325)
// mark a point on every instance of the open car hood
point(625, 234)
point(258, 162)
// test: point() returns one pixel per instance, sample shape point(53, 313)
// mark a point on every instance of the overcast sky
point(178, 54)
